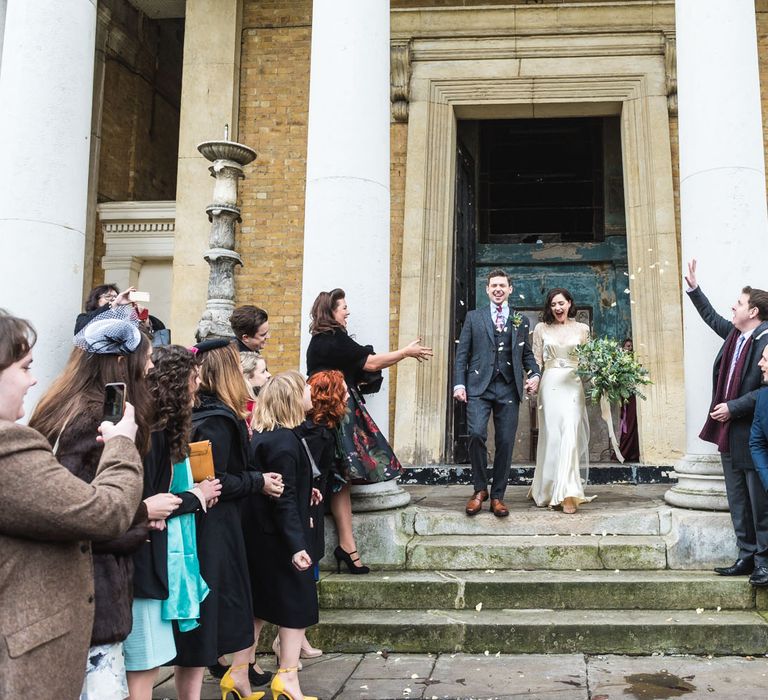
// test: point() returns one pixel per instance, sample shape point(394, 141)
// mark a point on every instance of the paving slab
point(509, 676)
point(690, 677)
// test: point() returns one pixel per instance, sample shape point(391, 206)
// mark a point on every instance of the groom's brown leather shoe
point(498, 508)
point(475, 504)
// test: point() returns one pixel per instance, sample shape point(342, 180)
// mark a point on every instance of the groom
point(493, 351)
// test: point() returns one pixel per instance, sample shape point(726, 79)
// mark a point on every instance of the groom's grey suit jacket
point(476, 354)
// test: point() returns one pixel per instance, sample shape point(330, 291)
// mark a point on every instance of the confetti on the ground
point(479, 607)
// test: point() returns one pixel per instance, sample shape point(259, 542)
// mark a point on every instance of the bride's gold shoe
point(569, 506)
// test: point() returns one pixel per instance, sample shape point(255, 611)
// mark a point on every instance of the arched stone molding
point(571, 74)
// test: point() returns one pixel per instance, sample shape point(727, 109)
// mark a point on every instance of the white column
point(46, 91)
point(346, 224)
point(722, 203)
point(347, 207)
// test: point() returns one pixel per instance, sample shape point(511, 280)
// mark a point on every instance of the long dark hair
point(547, 315)
point(17, 338)
point(322, 312)
point(169, 385)
point(79, 389)
point(92, 302)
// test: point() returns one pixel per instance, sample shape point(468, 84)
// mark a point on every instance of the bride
point(563, 446)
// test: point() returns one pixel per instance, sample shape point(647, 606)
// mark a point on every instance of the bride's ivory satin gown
point(563, 447)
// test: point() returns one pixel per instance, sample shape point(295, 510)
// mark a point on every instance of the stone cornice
point(144, 230)
point(522, 20)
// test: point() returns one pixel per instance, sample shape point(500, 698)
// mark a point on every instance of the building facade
point(541, 136)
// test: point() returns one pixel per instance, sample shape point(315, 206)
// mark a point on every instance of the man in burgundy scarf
point(736, 381)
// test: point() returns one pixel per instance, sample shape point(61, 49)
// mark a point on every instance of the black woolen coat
point(226, 623)
point(277, 528)
point(336, 350)
point(150, 561)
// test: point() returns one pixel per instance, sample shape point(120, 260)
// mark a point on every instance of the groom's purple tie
point(499, 319)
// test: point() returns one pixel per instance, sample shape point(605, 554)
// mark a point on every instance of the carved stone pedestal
point(228, 161)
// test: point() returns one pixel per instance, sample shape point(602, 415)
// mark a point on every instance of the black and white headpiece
point(113, 332)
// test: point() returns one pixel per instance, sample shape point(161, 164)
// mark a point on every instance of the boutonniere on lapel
point(517, 319)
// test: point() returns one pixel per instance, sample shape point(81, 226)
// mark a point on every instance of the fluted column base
point(384, 495)
point(700, 484)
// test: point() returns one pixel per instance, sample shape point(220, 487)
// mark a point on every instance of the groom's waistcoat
point(502, 362)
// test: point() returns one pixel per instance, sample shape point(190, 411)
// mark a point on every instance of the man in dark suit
point(758, 446)
point(735, 385)
point(493, 352)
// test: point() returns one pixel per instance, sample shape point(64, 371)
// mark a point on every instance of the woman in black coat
point(173, 383)
point(367, 456)
point(278, 532)
point(225, 615)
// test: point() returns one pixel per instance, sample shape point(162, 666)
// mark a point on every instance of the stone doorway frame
point(569, 74)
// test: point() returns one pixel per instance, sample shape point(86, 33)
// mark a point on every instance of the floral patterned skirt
point(367, 456)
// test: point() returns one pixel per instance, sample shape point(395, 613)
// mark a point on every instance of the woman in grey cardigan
point(47, 518)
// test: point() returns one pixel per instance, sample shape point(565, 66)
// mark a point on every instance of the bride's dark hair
point(547, 315)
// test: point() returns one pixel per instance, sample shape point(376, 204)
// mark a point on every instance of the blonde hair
point(280, 402)
point(250, 361)
point(220, 374)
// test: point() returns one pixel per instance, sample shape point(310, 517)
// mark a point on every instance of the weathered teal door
point(595, 273)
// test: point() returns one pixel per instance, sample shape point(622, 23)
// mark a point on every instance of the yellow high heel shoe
point(227, 686)
point(278, 687)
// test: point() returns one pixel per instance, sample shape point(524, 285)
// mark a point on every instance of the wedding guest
point(492, 358)
point(107, 297)
point(254, 370)
point(736, 379)
point(563, 447)
point(109, 349)
point(366, 454)
point(758, 446)
point(47, 517)
point(167, 585)
point(318, 437)
point(629, 441)
point(251, 327)
point(278, 532)
point(225, 615)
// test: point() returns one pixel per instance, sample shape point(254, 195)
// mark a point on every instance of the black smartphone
point(114, 402)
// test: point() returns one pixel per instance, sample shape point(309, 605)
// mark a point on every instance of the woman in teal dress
point(167, 582)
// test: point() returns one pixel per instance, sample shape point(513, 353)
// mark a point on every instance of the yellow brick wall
point(274, 102)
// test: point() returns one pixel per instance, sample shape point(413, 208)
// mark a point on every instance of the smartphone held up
point(114, 402)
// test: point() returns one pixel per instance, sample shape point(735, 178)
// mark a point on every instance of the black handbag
point(369, 382)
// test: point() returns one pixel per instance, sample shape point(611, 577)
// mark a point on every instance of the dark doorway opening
point(543, 199)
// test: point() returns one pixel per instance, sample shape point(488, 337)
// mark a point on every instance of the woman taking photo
point(167, 585)
point(367, 456)
point(225, 614)
point(47, 516)
point(109, 349)
point(278, 532)
point(563, 445)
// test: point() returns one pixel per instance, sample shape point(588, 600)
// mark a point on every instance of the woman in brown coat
point(47, 517)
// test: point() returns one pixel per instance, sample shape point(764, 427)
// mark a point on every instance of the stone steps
point(556, 590)
point(544, 552)
point(726, 632)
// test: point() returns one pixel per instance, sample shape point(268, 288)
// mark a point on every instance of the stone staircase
point(627, 575)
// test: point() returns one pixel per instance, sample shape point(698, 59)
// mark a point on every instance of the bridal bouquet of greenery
point(614, 375)
point(612, 372)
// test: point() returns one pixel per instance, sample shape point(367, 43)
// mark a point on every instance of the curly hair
point(169, 386)
point(328, 397)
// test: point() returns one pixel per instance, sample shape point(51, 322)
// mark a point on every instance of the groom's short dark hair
point(758, 299)
point(498, 272)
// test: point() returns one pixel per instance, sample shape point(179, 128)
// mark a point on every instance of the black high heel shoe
point(218, 670)
point(342, 555)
